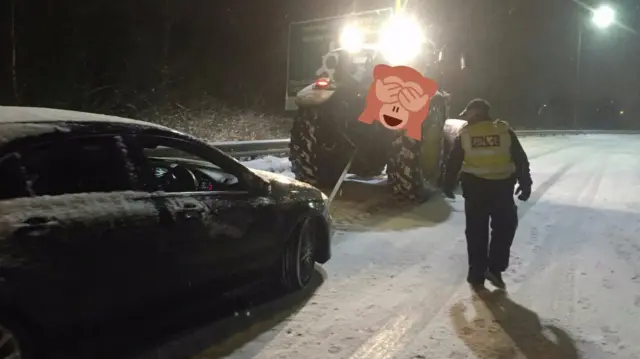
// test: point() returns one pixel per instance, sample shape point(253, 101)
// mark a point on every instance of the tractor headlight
point(351, 38)
point(401, 40)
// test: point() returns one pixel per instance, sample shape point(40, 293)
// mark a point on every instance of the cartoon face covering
point(399, 98)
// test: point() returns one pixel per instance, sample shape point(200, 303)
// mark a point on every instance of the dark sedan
point(103, 216)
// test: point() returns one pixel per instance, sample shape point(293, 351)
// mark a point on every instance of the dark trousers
point(489, 205)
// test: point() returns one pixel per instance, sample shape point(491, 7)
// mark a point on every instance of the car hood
point(288, 189)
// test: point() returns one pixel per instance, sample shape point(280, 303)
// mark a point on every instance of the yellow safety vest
point(487, 150)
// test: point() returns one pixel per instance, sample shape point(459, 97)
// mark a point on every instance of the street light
point(602, 17)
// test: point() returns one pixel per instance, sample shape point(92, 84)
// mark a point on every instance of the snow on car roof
point(19, 114)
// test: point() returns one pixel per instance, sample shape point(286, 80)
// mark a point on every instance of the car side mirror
point(258, 185)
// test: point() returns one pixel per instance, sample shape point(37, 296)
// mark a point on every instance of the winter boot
point(478, 287)
point(496, 279)
point(476, 283)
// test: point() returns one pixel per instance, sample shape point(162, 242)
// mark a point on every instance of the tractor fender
point(312, 96)
point(452, 128)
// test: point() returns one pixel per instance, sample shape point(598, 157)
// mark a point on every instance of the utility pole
point(14, 56)
point(576, 100)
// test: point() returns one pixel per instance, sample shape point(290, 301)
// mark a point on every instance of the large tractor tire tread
point(302, 146)
point(310, 159)
point(405, 170)
point(318, 152)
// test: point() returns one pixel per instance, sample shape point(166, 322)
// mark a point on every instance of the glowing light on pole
point(604, 16)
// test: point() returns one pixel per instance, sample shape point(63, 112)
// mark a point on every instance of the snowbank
point(282, 166)
point(273, 164)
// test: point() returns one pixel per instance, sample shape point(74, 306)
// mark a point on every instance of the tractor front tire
point(408, 174)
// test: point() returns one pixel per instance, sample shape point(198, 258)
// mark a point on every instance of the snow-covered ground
point(573, 285)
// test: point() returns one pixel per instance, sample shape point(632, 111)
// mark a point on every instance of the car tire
point(298, 259)
point(15, 339)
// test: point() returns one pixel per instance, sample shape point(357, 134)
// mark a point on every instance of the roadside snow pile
point(273, 164)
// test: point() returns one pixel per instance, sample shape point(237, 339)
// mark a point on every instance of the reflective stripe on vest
point(487, 148)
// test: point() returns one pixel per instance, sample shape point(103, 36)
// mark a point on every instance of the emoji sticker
point(399, 98)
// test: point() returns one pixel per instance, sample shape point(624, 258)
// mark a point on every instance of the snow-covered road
point(399, 291)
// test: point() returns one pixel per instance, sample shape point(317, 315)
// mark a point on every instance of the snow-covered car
point(103, 216)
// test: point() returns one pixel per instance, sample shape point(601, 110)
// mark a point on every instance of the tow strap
point(345, 171)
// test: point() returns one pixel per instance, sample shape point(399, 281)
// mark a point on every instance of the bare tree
point(14, 73)
point(168, 24)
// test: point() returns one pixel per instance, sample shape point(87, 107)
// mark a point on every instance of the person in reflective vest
point(488, 159)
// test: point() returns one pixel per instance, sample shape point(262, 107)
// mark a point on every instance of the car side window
point(178, 166)
point(80, 165)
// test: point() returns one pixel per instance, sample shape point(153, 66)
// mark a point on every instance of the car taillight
point(322, 83)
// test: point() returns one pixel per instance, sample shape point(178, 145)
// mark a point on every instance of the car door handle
point(37, 227)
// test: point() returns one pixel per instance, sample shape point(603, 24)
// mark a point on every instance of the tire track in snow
point(401, 330)
point(555, 266)
point(594, 278)
point(332, 333)
point(543, 188)
point(396, 332)
point(555, 242)
point(549, 151)
point(427, 286)
point(607, 291)
point(437, 327)
point(560, 300)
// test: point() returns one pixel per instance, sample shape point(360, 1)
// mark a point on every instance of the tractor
point(326, 130)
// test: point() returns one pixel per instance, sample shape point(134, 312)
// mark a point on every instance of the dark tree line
point(111, 55)
point(123, 57)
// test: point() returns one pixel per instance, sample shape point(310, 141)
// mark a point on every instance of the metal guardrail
point(253, 149)
point(241, 149)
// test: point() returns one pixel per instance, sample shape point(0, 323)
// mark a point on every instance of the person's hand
point(523, 192)
point(449, 193)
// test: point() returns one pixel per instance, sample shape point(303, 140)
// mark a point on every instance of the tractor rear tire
point(319, 153)
point(309, 154)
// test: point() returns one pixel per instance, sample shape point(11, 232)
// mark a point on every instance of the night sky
point(112, 56)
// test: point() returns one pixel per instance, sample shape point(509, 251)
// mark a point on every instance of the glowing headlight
point(401, 40)
point(351, 38)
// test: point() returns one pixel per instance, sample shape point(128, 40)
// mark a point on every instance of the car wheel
point(298, 260)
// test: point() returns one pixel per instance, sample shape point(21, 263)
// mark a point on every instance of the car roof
point(42, 115)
